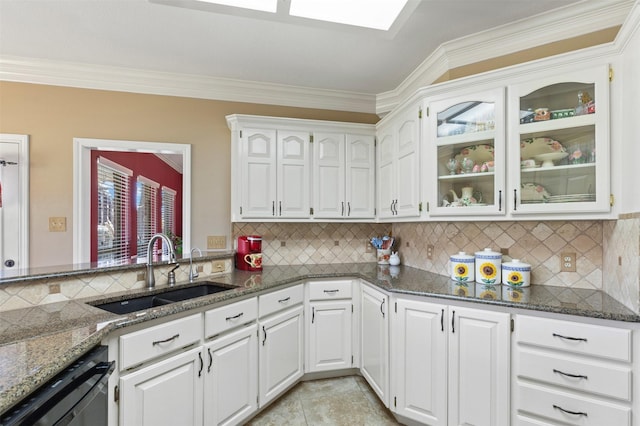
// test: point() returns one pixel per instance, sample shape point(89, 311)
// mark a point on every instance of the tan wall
point(52, 116)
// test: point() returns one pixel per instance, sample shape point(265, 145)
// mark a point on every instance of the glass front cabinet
point(466, 155)
point(558, 144)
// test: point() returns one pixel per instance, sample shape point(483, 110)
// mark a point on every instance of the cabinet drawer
point(323, 290)
point(574, 409)
point(281, 299)
point(230, 316)
point(153, 342)
point(596, 377)
point(586, 339)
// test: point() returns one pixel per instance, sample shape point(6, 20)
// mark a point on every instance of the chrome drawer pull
point(574, 413)
point(575, 376)
point(569, 338)
point(235, 316)
point(332, 291)
point(286, 299)
point(174, 337)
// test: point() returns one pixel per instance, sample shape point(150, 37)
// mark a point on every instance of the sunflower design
point(514, 278)
point(488, 273)
point(515, 295)
point(461, 289)
point(461, 272)
point(489, 293)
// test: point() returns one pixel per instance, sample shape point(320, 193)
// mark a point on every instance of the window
point(146, 213)
point(113, 213)
point(168, 215)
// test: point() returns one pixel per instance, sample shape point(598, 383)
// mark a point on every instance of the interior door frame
point(23, 176)
point(82, 187)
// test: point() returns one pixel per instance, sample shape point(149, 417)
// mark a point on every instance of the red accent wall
point(142, 164)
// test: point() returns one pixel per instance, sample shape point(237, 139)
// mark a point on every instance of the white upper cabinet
point(398, 180)
point(293, 174)
point(558, 144)
point(344, 175)
point(465, 161)
point(258, 172)
point(290, 169)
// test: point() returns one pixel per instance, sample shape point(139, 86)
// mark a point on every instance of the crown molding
point(566, 22)
point(88, 76)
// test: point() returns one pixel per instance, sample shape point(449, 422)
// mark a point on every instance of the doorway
point(14, 202)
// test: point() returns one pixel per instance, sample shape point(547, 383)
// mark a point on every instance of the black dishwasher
point(77, 396)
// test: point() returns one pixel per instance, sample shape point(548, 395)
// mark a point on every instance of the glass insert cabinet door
point(558, 145)
point(466, 154)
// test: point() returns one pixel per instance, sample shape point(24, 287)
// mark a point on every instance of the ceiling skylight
point(376, 14)
point(261, 5)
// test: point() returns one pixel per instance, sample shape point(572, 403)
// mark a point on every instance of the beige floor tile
point(328, 402)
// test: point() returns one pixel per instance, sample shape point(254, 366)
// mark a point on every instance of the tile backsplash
point(313, 243)
point(621, 250)
point(607, 254)
point(538, 243)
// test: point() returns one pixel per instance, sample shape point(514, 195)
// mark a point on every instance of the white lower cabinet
point(572, 373)
point(168, 392)
point(450, 364)
point(281, 352)
point(374, 338)
point(419, 361)
point(329, 326)
point(231, 379)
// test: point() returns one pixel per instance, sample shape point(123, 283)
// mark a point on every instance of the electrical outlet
point(430, 252)
point(368, 248)
point(567, 262)
point(216, 242)
point(57, 224)
point(217, 266)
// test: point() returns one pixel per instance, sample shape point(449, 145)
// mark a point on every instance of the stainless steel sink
point(159, 299)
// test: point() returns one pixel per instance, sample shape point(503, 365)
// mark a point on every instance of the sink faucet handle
point(171, 275)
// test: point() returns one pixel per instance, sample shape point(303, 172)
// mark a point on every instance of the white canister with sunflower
point(516, 273)
point(488, 264)
point(462, 267)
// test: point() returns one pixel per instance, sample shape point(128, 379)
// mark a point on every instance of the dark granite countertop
point(38, 342)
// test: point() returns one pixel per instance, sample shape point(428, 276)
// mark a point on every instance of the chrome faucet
point(193, 274)
point(150, 278)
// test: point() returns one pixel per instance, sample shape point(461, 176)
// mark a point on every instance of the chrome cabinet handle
point(331, 291)
point(280, 207)
point(286, 299)
point(313, 314)
point(342, 214)
point(265, 335)
point(453, 322)
point(158, 342)
point(515, 199)
point(574, 413)
point(201, 364)
point(349, 208)
point(575, 376)
point(581, 339)
point(500, 200)
point(235, 316)
point(442, 320)
point(210, 360)
point(381, 307)
point(273, 208)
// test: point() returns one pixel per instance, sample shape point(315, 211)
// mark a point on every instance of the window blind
point(113, 213)
point(168, 214)
point(146, 213)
